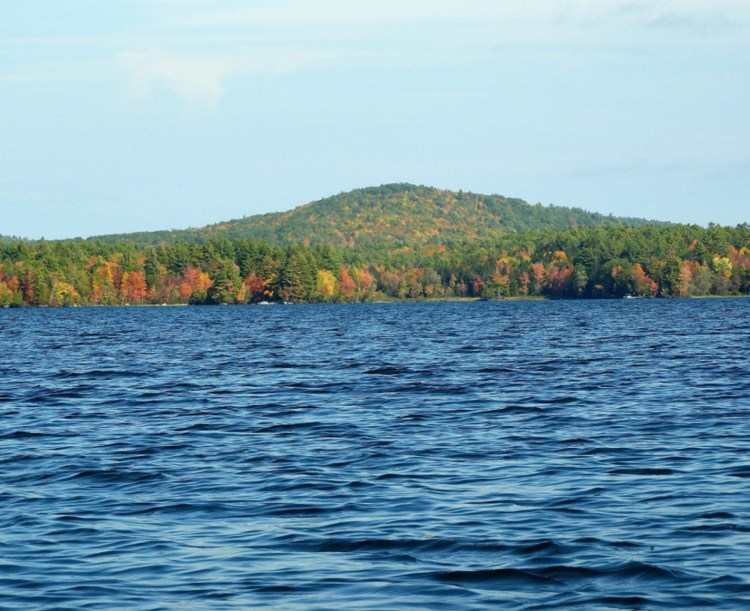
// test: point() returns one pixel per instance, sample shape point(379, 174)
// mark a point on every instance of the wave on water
point(520, 455)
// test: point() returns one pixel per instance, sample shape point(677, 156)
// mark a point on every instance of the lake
point(521, 455)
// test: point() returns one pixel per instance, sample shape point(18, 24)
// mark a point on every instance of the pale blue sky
point(154, 114)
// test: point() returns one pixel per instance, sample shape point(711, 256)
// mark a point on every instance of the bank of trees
point(591, 262)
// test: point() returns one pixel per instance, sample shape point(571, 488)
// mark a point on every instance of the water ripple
point(428, 456)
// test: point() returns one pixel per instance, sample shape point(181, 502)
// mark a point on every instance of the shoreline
point(377, 301)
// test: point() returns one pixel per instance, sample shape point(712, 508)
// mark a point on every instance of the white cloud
point(348, 12)
point(238, 39)
point(196, 78)
point(450, 29)
point(338, 12)
point(200, 78)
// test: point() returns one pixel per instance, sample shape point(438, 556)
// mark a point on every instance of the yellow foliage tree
point(63, 293)
point(326, 284)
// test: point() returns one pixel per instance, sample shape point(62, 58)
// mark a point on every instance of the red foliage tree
point(347, 286)
point(133, 287)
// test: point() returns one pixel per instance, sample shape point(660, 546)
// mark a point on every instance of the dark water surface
point(434, 456)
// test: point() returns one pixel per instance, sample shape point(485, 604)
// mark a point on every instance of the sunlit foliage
point(588, 262)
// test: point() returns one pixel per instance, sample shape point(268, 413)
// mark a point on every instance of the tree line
point(585, 262)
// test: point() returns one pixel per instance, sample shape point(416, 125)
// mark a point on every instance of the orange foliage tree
point(133, 287)
point(347, 286)
point(642, 283)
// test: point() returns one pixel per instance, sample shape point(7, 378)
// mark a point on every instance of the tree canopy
point(591, 262)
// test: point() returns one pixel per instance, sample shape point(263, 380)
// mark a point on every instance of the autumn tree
point(326, 284)
point(133, 287)
point(364, 282)
point(194, 285)
point(642, 284)
point(347, 286)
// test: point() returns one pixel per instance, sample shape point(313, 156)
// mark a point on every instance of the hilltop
point(390, 242)
point(390, 217)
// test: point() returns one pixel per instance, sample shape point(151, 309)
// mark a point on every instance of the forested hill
point(390, 217)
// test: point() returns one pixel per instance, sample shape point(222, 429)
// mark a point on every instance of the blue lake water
point(521, 455)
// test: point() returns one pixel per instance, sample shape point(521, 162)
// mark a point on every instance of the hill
point(390, 217)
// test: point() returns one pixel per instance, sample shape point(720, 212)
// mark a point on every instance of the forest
point(387, 217)
point(580, 262)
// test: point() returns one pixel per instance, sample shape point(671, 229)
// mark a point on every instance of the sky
point(157, 114)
